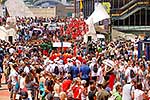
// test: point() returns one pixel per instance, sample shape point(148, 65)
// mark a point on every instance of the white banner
point(61, 44)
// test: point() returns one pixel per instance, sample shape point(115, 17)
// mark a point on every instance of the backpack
point(95, 68)
point(56, 70)
point(132, 74)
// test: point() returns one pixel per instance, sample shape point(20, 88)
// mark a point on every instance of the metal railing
point(127, 6)
point(132, 9)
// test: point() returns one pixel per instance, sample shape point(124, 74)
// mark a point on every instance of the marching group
point(96, 70)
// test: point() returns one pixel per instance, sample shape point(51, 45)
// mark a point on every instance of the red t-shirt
point(19, 51)
point(76, 91)
point(66, 84)
point(111, 81)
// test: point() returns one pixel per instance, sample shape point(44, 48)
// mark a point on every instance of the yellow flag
point(107, 6)
point(81, 5)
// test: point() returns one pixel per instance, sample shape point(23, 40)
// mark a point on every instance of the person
point(49, 84)
point(92, 90)
point(74, 70)
point(84, 88)
point(13, 78)
point(57, 89)
point(77, 89)
point(117, 94)
point(128, 90)
point(63, 96)
point(1, 63)
point(42, 87)
point(94, 69)
point(30, 86)
point(85, 72)
point(66, 83)
point(6, 67)
point(49, 96)
point(101, 94)
point(139, 93)
point(128, 72)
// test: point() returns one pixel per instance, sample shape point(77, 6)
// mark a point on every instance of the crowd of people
point(97, 70)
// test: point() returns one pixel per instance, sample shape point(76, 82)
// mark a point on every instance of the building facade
point(131, 16)
point(88, 7)
point(50, 8)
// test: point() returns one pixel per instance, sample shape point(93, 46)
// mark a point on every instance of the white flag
point(99, 14)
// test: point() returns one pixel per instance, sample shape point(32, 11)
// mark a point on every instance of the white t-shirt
point(48, 68)
point(138, 94)
point(26, 69)
point(126, 94)
point(92, 72)
point(22, 81)
point(127, 74)
point(13, 75)
point(100, 74)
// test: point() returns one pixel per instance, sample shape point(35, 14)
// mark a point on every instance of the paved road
point(4, 93)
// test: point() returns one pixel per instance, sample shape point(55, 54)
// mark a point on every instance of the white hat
point(44, 57)
point(108, 62)
point(83, 82)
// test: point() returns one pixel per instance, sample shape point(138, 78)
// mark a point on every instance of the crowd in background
point(97, 70)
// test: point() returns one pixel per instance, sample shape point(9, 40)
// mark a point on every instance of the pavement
point(4, 93)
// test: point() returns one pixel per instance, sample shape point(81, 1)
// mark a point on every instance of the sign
point(61, 44)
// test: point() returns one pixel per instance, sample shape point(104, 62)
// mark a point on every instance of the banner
point(61, 44)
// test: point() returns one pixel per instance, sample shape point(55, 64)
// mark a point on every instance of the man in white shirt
point(94, 69)
point(128, 90)
point(128, 74)
point(27, 68)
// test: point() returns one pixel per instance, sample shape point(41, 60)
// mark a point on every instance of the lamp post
point(75, 3)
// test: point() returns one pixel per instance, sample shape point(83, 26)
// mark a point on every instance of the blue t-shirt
point(85, 70)
point(74, 71)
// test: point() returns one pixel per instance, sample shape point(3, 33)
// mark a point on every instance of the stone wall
point(59, 10)
point(44, 12)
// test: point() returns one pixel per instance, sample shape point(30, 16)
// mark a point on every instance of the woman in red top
point(77, 89)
